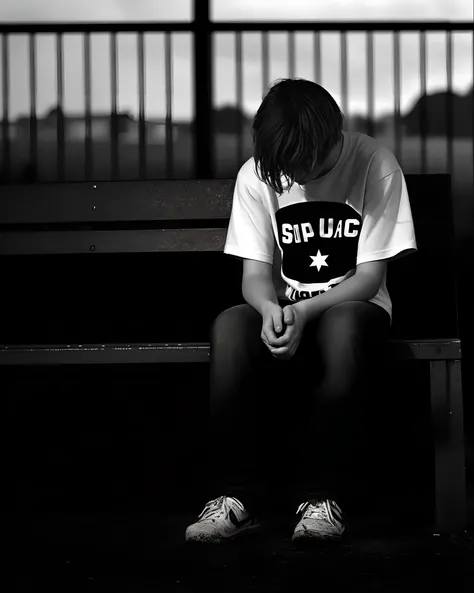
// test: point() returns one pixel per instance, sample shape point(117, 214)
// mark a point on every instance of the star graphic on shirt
point(319, 260)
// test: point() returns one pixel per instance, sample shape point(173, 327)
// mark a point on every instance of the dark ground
point(139, 552)
point(105, 476)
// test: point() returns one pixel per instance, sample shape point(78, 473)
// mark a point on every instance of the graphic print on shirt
point(318, 243)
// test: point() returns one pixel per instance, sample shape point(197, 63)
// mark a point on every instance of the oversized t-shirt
point(315, 235)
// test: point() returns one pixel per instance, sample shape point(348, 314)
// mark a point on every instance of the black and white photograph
point(236, 343)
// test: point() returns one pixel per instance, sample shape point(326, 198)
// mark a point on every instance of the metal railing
point(202, 130)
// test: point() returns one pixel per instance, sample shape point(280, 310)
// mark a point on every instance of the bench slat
point(114, 241)
point(191, 199)
point(185, 353)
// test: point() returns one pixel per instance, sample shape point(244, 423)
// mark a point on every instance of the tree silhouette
point(437, 110)
point(56, 113)
point(229, 120)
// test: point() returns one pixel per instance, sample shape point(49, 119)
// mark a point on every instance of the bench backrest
point(109, 261)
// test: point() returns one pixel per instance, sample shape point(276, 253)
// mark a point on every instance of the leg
point(347, 343)
point(241, 372)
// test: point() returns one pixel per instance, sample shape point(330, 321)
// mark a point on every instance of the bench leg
point(448, 435)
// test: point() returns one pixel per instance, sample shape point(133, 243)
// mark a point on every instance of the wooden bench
point(159, 246)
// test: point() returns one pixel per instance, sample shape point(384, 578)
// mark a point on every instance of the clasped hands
point(282, 329)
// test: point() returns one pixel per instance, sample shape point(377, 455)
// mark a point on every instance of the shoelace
point(218, 506)
point(313, 510)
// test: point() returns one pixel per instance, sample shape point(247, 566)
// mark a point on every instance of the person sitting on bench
point(327, 208)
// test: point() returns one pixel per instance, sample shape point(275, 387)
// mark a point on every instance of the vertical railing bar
point(317, 56)
point(33, 120)
point(291, 54)
point(397, 95)
point(114, 131)
point(239, 87)
point(60, 132)
point(344, 90)
point(5, 119)
point(423, 113)
point(265, 62)
point(142, 164)
point(370, 83)
point(449, 101)
point(169, 106)
point(458, 266)
point(88, 106)
point(203, 85)
point(265, 66)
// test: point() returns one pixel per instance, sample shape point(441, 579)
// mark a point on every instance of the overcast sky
point(225, 92)
point(126, 10)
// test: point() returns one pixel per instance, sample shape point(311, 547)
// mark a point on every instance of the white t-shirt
point(316, 234)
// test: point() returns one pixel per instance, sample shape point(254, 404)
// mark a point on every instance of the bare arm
point(259, 292)
point(361, 286)
point(257, 285)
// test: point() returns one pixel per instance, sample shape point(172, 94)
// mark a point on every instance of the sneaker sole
point(205, 538)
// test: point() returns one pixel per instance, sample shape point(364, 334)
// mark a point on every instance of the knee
point(341, 323)
point(231, 323)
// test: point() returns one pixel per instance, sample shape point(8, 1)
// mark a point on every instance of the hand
point(272, 325)
point(287, 345)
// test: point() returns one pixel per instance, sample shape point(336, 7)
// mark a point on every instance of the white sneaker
point(320, 520)
point(221, 519)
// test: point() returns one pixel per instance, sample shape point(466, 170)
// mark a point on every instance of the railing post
point(5, 172)
point(203, 139)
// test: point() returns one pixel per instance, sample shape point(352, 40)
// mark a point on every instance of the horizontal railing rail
point(231, 26)
point(202, 131)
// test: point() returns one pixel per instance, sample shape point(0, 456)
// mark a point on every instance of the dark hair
point(296, 126)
